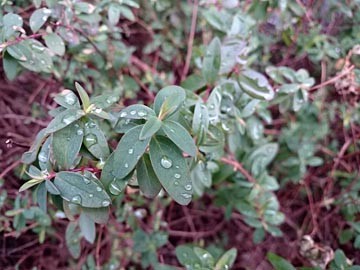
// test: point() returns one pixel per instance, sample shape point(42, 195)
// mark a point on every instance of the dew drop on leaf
point(132, 112)
point(188, 187)
point(105, 203)
point(68, 119)
point(90, 139)
point(99, 189)
point(177, 175)
point(86, 180)
point(126, 165)
point(76, 199)
point(70, 98)
point(123, 114)
point(42, 157)
point(166, 162)
point(186, 195)
point(176, 183)
point(141, 113)
point(131, 151)
point(80, 132)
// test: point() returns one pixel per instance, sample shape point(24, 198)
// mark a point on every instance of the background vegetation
point(269, 94)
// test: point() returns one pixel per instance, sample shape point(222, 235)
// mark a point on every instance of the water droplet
point(42, 62)
point(126, 165)
point(188, 187)
point(105, 203)
point(131, 151)
point(92, 125)
point(80, 132)
point(123, 114)
point(86, 180)
point(212, 106)
point(76, 199)
point(127, 121)
point(141, 113)
point(176, 183)
point(186, 195)
point(166, 162)
point(177, 167)
point(68, 119)
point(38, 48)
point(91, 195)
point(225, 127)
point(114, 188)
point(173, 131)
point(68, 139)
point(177, 176)
point(98, 110)
point(46, 11)
point(99, 189)
point(42, 157)
point(90, 139)
point(133, 112)
point(44, 18)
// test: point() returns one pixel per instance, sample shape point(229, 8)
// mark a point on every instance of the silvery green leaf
point(98, 215)
point(30, 156)
point(180, 136)
point(136, 111)
point(212, 61)
point(85, 100)
point(10, 23)
point(38, 18)
point(114, 13)
point(255, 85)
point(128, 152)
point(55, 43)
point(66, 144)
point(200, 122)
point(64, 119)
point(152, 125)
point(261, 157)
point(169, 99)
point(10, 66)
point(67, 99)
point(87, 228)
point(171, 169)
point(95, 140)
point(148, 181)
point(83, 190)
point(72, 237)
point(227, 260)
point(289, 88)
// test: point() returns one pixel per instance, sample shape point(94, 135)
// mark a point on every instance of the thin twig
point(238, 167)
point(191, 40)
point(334, 79)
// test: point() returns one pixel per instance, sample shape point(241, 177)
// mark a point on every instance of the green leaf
point(289, 88)
point(152, 125)
point(11, 22)
point(279, 263)
point(200, 122)
point(137, 111)
point(64, 119)
point(114, 13)
point(66, 145)
point(84, 190)
point(51, 188)
point(10, 66)
point(41, 196)
point(104, 100)
point(186, 255)
point(193, 82)
point(72, 237)
point(98, 215)
point(212, 61)
point(207, 260)
point(55, 43)
point(148, 181)
point(127, 13)
point(19, 51)
point(171, 169)
point(38, 18)
point(180, 136)
point(227, 260)
point(45, 154)
point(128, 152)
point(67, 99)
point(83, 96)
point(30, 184)
point(168, 100)
point(95, 140)
point(87, 228)
point(261, 157)
point(30, 156)
point(255, 85)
